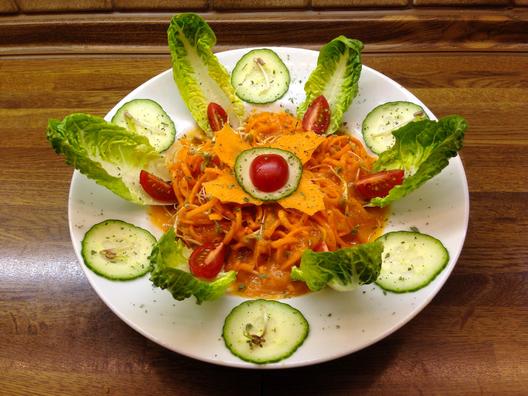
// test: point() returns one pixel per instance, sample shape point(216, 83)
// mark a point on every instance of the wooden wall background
point(40, 6)
point(58, 27)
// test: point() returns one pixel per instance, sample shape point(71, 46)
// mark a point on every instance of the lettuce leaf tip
point(170, 270)
point(422, 149)
point(336, 77)
point(106, 153)
point(200, 77)
point(344, 269)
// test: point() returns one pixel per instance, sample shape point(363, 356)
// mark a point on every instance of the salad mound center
point(265, 239)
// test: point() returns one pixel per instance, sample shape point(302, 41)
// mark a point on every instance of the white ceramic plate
point(340, 323)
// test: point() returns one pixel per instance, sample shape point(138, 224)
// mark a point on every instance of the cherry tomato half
point(156, 187)
point(269, 172)
point(379, 184)
point(317, 116)
point(217, 116)
point(207, 260)
point(321, 247)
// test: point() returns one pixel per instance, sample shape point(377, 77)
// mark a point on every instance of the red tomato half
point(207, 260)
point(317, 117)
point(217, 116)
point(321, 247)
point(269, 172)
point(379, 184)
point(156, 187)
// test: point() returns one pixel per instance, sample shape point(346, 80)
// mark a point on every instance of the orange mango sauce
point(162, 216)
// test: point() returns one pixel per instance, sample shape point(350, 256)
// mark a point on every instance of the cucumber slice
point(410, 261)
point(117, 250)
point(379, 123)
point(264, 331)
point(260, 76)
point(146, 117)
point(243, 166)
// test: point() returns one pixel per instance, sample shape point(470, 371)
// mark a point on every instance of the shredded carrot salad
point(266, 240)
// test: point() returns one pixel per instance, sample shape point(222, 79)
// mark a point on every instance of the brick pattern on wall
point(459, 2)
point(30, 6)
point(8, 7)
point(159, 5)
point(358, 3)
point(258, 4)
point(57, 6)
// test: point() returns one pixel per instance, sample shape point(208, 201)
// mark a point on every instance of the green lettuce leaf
point(344, 269)
point(422, 150)
point(106, 153)
point(336, 77)
point(170, 270)
point(200, 77)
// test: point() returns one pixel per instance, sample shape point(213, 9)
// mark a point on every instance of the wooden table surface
point(58, 337)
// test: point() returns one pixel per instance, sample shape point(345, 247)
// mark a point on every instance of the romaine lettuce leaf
point(336, 77)
point(170, 271)
point(422, 150)
point(106, 153)
point(200, 77)
point(343, 270)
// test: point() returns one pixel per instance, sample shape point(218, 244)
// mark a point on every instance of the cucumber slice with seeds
point(260, 76)
point(410, 261)
point(264, 331)
point(146, 117)
point(379, 123)
point(243, 168)
point(117, 250)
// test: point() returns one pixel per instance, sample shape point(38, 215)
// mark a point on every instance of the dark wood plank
point(403, 368)
point(391, 30)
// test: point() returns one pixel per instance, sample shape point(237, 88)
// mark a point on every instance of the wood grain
point(30, 6)
point(8, 7)
point(460, 3)
point(58, 338)
point(258, 4)
point(393, 30)
point(359, 3)
point(53, 6)
point(160, 5)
